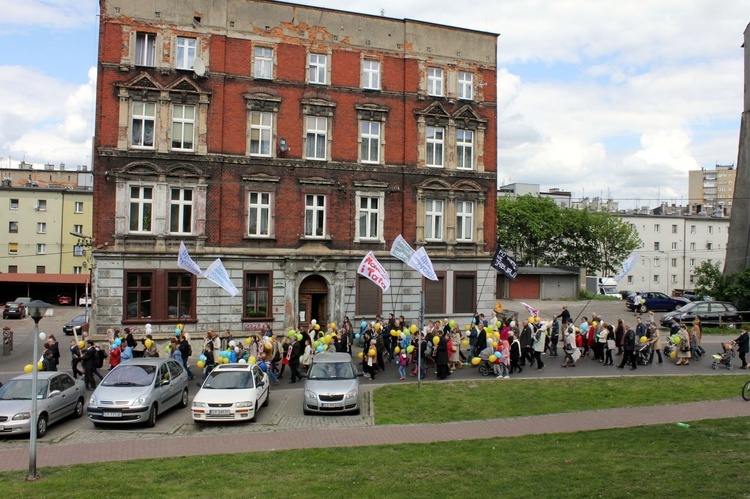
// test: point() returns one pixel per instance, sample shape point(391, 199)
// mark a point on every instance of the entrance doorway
point(313, 301)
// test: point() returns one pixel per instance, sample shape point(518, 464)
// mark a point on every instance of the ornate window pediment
point(434, 115)
point(318, 107)
point(466, 118)
point(372, 112)
point(263, 102)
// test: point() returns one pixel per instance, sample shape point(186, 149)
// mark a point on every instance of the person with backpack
point(185, 352)
point(114, 356)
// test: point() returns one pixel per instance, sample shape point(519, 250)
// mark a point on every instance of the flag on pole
point(505, 264)
point(421, 262)
point(627, 266)
point(534, 312)
point(185, 262)
point(217, 274)
point(400, 249)
point(371, 268)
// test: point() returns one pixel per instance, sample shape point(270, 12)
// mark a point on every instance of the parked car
point(58, 396)
point(14, 310)
point(332, 385)
point(84, 301)
point(137, 391)
point(654, 300)
point(710, 313)
point(79, 321)
point(24, 300)
point(232, 392)
point(64, 300)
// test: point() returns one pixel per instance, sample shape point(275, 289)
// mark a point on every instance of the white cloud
point(55, 14)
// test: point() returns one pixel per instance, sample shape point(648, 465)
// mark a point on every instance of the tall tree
point(527, 227)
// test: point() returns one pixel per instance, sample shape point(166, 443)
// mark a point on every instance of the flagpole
point(481, 290)
point(419, 342)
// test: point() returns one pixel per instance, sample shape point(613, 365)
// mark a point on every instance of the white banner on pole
point(400, 249)
point(216, 273)
point(371, 268)
point(421, 262)
point(185, 262)
point(627, 266)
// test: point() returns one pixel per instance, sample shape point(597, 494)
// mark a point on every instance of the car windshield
point(130, 375)
point(686, 307)
point(332, 370)
point(78, 319)
point(20, 389)
point(229, 380)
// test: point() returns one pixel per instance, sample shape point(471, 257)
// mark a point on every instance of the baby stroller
point(485, 368)
point(643, 353)
point(724, 358)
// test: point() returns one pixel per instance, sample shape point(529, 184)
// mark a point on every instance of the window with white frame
point(630, 279)
point(674, 228)
point(141, 208)
point(370, 74)
point(78, 228)
point(692, 229)
point(656, 228)
point(692, 246)
point(709, 246)
point(41, 205)
point(435, 82)
point(14, 204)
point(13, 248)
point(674, 246)
point(78, 270)
point(183, 127)
point(41, 249)
point(185, 52)
point(258, 214)
point(710, 229)
point(79, 207)
point(263, 63)
point(145, 48)
point(435, 141)
point(316, 137)
point(656, 278)
point(41, 227)
point(656, 246)
point(13, 227)
point(434, 219)
point(78, 251)
point(464, 221)
point(261, 131)
point(674, 278)
point(143, 124)
point(369, 135)
point(465, 85)
point(692, 279)
point(465, 149)
point(181, 211)
point(656, 261)
point(674, 262)
point(368, 217)
point(692, 262)
point(315, 215)
point(318, 69)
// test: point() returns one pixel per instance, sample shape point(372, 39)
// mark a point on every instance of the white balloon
point(43, 336)
point(237, 349)
point(232, 343)
point(313, 322)
point(148, 325)
point(242, 361)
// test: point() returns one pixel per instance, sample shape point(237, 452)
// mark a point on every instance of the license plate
point(2, 428)
point(219, 412)
point(112, 414)
point(331, 404)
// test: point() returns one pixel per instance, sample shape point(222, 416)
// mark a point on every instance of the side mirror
point(54, 393)
point(261, 384)
point(165, 382)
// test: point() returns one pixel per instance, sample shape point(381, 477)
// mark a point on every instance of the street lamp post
point(86, 242)
point(37, 309)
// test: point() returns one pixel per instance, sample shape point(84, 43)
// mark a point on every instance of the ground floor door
point(312, 302)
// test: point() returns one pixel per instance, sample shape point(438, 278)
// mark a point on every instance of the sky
point(603, 99)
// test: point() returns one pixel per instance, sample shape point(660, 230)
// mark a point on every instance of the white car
point(232, 392)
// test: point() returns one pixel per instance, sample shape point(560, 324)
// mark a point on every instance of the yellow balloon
point(40, 365)
point(81, 344)
point(317, 327)
point(465, 343)
point(181, 326)
point(28, 368)
point(397, 350)
point(531, 320)
point(468, 327)
point(248, 340)
point(148, 343)
point(327, 338)
point(200, 364)
point(673, 354)
point(496, 334)
point(643, 339)
point(494, 344)
point(251, 360)
point(413, 328)
point(333, 325)
point(436, 339)
point(372, 352)
point(492, 358)
point(594, 323)
point(394, 332)
point(377, 325)
point(360, 355)
point(475, 361)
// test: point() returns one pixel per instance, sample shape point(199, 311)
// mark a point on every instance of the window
point(464, 221)
point(433, 220)
point(692, 262)
point(371, 74)
point(435, 141)
point(263, 63)
point(656, 278)
point(78, 270)
point(435, 82)
point(656, 228)
point(78, 229)
point(674, 246)
point(692, 279)
point(709, 246)
point(674, 278)
point(464, 297)
point(145, 48)
point(674, 228)
point(78, 251)
point(370, 141)
point(656, 246)
point(318, 69)
point(41, 227)
point(710, 229)
point(317, 136)
point(79, 207)
point(465, 85)
point(434, 295)
point(179, 295)
point(315, 215)
point(692, 246)
point(692, 229)
point(369, 297)
point(141, 205)
point(13, 248)
point(14, 204)
point(185, 52)
point(656, 261)
point(630, 279)
point(259, 214)
point(674, 262)
point(257, 295)
point(12, 269)
point(41, 249)
point(13, 227)
point(159, 295)
point(41, 269)
point(369, 218)
point(183, 127)
point(41, 205)
point(261, 128)
point(465, 149)
point(143, 121)
point(181, 211)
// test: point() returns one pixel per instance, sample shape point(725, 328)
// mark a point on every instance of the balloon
point(492, 358)
point(232, 344)
point(28, 368)
point(377, 325)
point(181, 327)
point(203, 358)
point(531, 320)
point(327, 339)
point(498, 354)
point(395, 333)
point(356, 336)
point(242, 361)
point(594, 323)
point(496, 335)
point(468, 333)
point(319, 348)
point(167, 348)
point(468, 327)
point(643, 339)
point(413, 328)
point(236, 349)
point(148, 343)
point(475, 361)
point(313, 321)
point(402, 335)
point(673, 354)
point(494, 344)
point(317, 327)
point(148, 325)
point(201, 364)
point(362, 324)
point(40, 366)
point(291, 333)
point(436, 339)
point(299, 337)
point(677, 340)
point(316, 343)
point(452, 323)
point(113, 347)
point(177, 331)
point(81, 344)
point(333, 325)
point(360, 355)
point(410, 349)
point(397, 350)
point(43, 336)
point(252, 360)
point(118, 342)
point(465, 343)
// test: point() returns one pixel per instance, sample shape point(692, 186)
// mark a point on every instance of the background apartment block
point(712, 189)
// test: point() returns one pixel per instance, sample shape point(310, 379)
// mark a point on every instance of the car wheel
point(41, 426)
point(643, 308)
point(255, 413)
point(98, 425)
point(151, 422)
point(79, 408)
point(184, 399)
point(268, 397)
point(306, 412)
point(357, 411)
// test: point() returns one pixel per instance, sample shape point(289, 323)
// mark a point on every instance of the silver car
point(58, 396)
point(332, 385)
point(137, 391)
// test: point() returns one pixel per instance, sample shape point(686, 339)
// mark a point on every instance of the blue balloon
point(118, 342)
point(320, 348)
point(202, 358)
point(177, 331)
point(363, 324)
point(498, 354)
point(113, 347)
point(356, 336)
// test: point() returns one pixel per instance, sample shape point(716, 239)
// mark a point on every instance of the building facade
point(288, 141)
point(712, 189)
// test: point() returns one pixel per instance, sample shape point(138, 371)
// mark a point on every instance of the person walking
point(88, 361)
point(540, 338)
point(629, 342)
point(75, 359)
point(569, 346)
point(609, 344)
point(655, 341)
point(295, 352)
point(441, 356)
point(683, 348)
point(515, 353)
point(527, 344)
point(743, 346)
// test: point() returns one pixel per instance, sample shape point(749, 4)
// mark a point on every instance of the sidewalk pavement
point(284, 438)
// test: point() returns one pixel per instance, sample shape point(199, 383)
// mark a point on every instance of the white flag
point(370, 267)
point(534, 312)
point(627, 266)
point(401, 249)
point(421, 262)
point(185, 262)
point(216, 273)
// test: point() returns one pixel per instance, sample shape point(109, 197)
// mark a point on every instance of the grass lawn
point(489, 399)
point(709, 459)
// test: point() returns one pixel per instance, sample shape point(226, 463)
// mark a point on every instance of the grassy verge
point(731, 331)
point(481, 399)
point(708, 459)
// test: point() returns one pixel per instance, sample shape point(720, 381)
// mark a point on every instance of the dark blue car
point(654, 300)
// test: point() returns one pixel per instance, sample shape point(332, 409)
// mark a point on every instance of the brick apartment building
point(288, 141)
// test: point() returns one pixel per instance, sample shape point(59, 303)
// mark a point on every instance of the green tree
point(616, 240)
point(709, 281)
point(528, 227)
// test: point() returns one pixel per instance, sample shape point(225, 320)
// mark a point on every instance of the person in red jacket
point(114, 357)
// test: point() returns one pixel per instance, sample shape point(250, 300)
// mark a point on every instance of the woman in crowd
point(455, 339)
point(683, 348)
